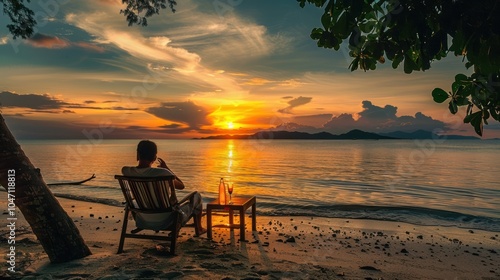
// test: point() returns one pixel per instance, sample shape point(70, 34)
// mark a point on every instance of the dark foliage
point(22, 18)
point(137, 11)
point(414, 33)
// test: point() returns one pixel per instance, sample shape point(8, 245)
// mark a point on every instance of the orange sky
point(203, 71)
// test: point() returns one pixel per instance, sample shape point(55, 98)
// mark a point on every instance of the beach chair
point(154, 206)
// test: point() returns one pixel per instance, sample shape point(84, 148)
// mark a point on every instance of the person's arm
point(177, 181)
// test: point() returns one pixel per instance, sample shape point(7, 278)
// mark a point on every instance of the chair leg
point(175, 233)
point(136, 230)
point(173, 242)
point(124, 230)
point(197, 221)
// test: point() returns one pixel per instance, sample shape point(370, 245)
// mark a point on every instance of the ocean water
point(426, 182)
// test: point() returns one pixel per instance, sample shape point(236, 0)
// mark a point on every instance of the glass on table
point(230, 188)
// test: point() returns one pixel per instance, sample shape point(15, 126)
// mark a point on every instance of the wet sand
point(281, 248)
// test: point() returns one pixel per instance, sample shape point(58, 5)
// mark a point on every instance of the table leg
point(254, 217)
point(242, 225)
point(231, 218)
point(209, 223)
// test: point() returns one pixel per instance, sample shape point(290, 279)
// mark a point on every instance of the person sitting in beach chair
point(146, 156)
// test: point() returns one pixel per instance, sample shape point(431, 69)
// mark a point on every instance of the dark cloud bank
point(184, 117)
point(31, 101)
point(371, 119)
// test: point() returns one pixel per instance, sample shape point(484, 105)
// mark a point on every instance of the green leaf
point(368, 26)
point(439, 95)
point(340, 27)
point(354, 64)
point(336, 46)
point(435, 44)
point(486, 116)
point(455, 87)
point(494, 114)
point(397, 60)
point(326, 20)
point(372, 37)
point(476, 120)
point(372, 64)
point(461, 100)
point(481, 94)
point(327, 40)
point(336, 11)
point(458, 43)
point(371, 16)
point(316, 33)
point(469, 110)
point(407, 65)
point(467, 90)
point(460, 78)
point(468, 118)
point(378, 7)
point(453, 107)
point(477, 123)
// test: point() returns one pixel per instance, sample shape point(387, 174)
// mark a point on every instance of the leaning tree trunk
point(53, 227)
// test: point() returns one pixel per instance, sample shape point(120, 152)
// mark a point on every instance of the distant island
point(354, 134)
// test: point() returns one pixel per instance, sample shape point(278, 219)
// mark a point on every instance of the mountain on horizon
point(351, 135)
point(424, 134)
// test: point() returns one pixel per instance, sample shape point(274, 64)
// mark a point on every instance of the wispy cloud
point(194, 116)
point(257, 82)
point(4, 40)
point(48, 104)
point(117, 108)
point(295, 103)
point(184, 47)
point(89, 46)
point(155, 52)
point(45, 41)
point(53, 42)
point(31, 101)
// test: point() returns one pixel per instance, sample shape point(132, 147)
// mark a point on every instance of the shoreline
point(290, 247)
point(440, 222)
point(464, 223)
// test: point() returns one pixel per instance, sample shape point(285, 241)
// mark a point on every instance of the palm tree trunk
point(53, 227)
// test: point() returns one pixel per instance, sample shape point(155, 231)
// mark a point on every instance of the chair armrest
point(186, 198)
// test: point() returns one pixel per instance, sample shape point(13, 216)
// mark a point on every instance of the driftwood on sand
point(73, 183)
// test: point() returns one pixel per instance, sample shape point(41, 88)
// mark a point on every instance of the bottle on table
point(222, 192)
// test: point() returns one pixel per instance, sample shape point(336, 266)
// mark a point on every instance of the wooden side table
point(241, 204)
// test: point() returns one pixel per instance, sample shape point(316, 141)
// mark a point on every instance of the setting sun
point(241, 115)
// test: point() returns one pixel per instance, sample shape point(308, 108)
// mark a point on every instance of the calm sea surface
point(427, 182)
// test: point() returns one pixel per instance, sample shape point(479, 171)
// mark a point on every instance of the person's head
point(146, 150)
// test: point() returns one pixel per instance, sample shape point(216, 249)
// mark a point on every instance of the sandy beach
point(282, 248)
